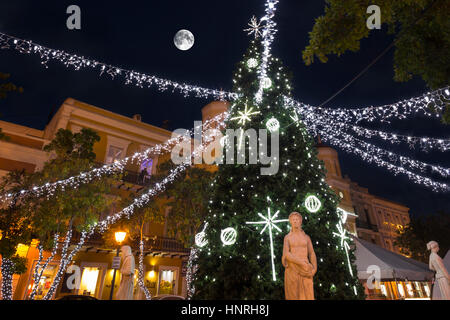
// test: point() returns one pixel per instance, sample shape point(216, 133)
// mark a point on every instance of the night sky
point(138, 35)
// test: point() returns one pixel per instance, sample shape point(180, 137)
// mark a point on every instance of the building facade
point(371, 218)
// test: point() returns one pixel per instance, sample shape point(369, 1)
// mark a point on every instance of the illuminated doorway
point(168, 280)
point(92, 278)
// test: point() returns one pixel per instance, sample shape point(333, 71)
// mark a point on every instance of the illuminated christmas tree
point(240, 248)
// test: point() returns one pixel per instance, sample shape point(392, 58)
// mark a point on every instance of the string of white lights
point(37, 275)
point(66, 259)
point(402, 160)
point(103, 225)
point(329, 127)
point(118, 166)
point(423, 143)
point(268, 35)
point(430, 104)
point(130, 77)
point(416, 178)
point(399, 110)
point(36, 268)
point(191, 270)
point(7, 273)
point(334, 136)
point(147, 293)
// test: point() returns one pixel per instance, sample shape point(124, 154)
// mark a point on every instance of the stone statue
point(125, 291)
point(442, 279)
point(299, 261)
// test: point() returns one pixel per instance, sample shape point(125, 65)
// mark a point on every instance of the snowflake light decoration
point(255, 27)
point(295, 118)
point(244, 116)
point(270, 223)
point(342, 234)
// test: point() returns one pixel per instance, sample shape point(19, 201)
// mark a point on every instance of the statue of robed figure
point(299, 261)
point(125, 291)
point(441, 289)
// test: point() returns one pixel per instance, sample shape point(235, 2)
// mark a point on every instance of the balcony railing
point(165, 244)
point(132, 176)
point(136, 178)
point(156, 243)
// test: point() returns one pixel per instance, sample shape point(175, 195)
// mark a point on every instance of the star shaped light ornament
point(342, 234)
point(255, 27)
point(244, 116)
point(295, 118)
point(269, 224)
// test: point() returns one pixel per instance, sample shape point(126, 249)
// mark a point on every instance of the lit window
point(89, 280)
point(114, 153)
point(146, 166)
point(401, 291)
point(427, 289)
point(167, 282)
point(383, 289)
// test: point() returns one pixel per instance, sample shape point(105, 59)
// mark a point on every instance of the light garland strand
point(329, 126)
point(423, 143)
point(190, 274)
point(7, 277)
point(334, 135)
point(63, 264)
point(420, 105)
point(398, 110)
point(373, 158)
point(38, 275)
point(402, 160)
point(147, 293)
point(65, 260)
point(108, 169)
point(36, 270)
point(268, 35)
point(130, 77)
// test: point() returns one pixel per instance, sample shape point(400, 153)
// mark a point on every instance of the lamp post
point(120, 236)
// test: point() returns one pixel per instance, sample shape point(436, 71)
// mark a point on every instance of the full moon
point(184, 40)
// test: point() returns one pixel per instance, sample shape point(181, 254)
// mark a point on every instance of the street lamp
point(120, 236)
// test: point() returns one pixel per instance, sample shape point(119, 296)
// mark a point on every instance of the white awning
point(392, 266)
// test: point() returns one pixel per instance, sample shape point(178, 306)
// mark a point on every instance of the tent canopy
point(392, 266)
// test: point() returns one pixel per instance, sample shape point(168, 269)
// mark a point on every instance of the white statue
point(442, 279)
point(125, 291)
